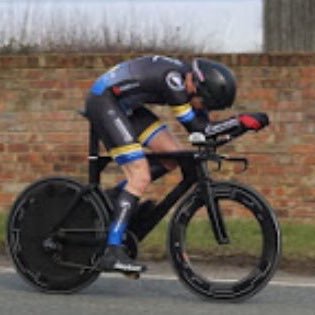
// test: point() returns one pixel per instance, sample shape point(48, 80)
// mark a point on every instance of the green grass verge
point(200, 240)
point(298, 241)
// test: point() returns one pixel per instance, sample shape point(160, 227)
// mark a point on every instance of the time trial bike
point(223, 238)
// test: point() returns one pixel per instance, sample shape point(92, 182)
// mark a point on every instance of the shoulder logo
point(112, 71)
point(175, 81)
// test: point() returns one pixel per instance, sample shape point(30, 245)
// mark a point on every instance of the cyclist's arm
point(198, 121)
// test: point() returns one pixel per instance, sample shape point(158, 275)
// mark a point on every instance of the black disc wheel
point(54, 248)
point(225, 272)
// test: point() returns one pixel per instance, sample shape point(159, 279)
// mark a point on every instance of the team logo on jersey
point(123, 130)
point(129, 86)
point(175, 81)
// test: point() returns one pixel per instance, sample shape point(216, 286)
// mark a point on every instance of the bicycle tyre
point(37, 209)
point(260, 274)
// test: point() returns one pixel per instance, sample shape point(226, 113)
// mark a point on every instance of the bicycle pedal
point(132, 275)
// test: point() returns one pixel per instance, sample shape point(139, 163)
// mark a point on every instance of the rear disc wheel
point(50, 265)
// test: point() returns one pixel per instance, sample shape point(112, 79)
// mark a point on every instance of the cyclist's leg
point(155, 135)
point(120, 139)
point(137, 176)
point(165, 141)
point(152, 133)
point(118, 136)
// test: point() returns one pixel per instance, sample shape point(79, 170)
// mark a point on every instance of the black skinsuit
point(117, 100)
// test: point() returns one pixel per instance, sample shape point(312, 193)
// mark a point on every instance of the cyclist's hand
point(253, 121)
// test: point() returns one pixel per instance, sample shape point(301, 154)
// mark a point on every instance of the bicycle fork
point(212, 205)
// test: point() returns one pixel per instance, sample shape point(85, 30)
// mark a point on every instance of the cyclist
point(117, 108)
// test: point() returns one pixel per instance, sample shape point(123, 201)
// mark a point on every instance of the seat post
point(94, 170)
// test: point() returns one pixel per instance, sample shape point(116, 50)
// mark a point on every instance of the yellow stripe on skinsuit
point(125, 149)
point(148, 132)
point(181, 109)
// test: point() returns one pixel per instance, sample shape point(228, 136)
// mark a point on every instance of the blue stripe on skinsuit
point(153, 135)
point(129, 157)
point(187, 117)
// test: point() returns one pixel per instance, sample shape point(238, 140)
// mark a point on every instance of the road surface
point(158, 292)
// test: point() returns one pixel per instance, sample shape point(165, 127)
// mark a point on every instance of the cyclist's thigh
point(114, 128)
point(151, 132)
point(165, 141)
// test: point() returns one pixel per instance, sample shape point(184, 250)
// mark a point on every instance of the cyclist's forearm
point(201, 124)
point(198, 121)
point(223, 127)
point(191, 119)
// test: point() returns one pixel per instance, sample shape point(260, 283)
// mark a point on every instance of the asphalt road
point(157, 293)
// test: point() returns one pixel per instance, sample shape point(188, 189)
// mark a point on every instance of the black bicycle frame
point(194, 169)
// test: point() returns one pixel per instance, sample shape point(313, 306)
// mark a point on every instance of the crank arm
point(69, 264)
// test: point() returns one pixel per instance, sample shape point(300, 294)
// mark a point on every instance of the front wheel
point(225, 272)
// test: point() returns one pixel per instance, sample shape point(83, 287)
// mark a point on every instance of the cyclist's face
point(189, 84)
point(196, 102)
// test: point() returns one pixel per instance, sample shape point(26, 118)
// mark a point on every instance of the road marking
point(292, 284)
point(7, 270)
point(280, 283)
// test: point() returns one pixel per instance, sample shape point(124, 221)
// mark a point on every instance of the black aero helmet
point(215, 83)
